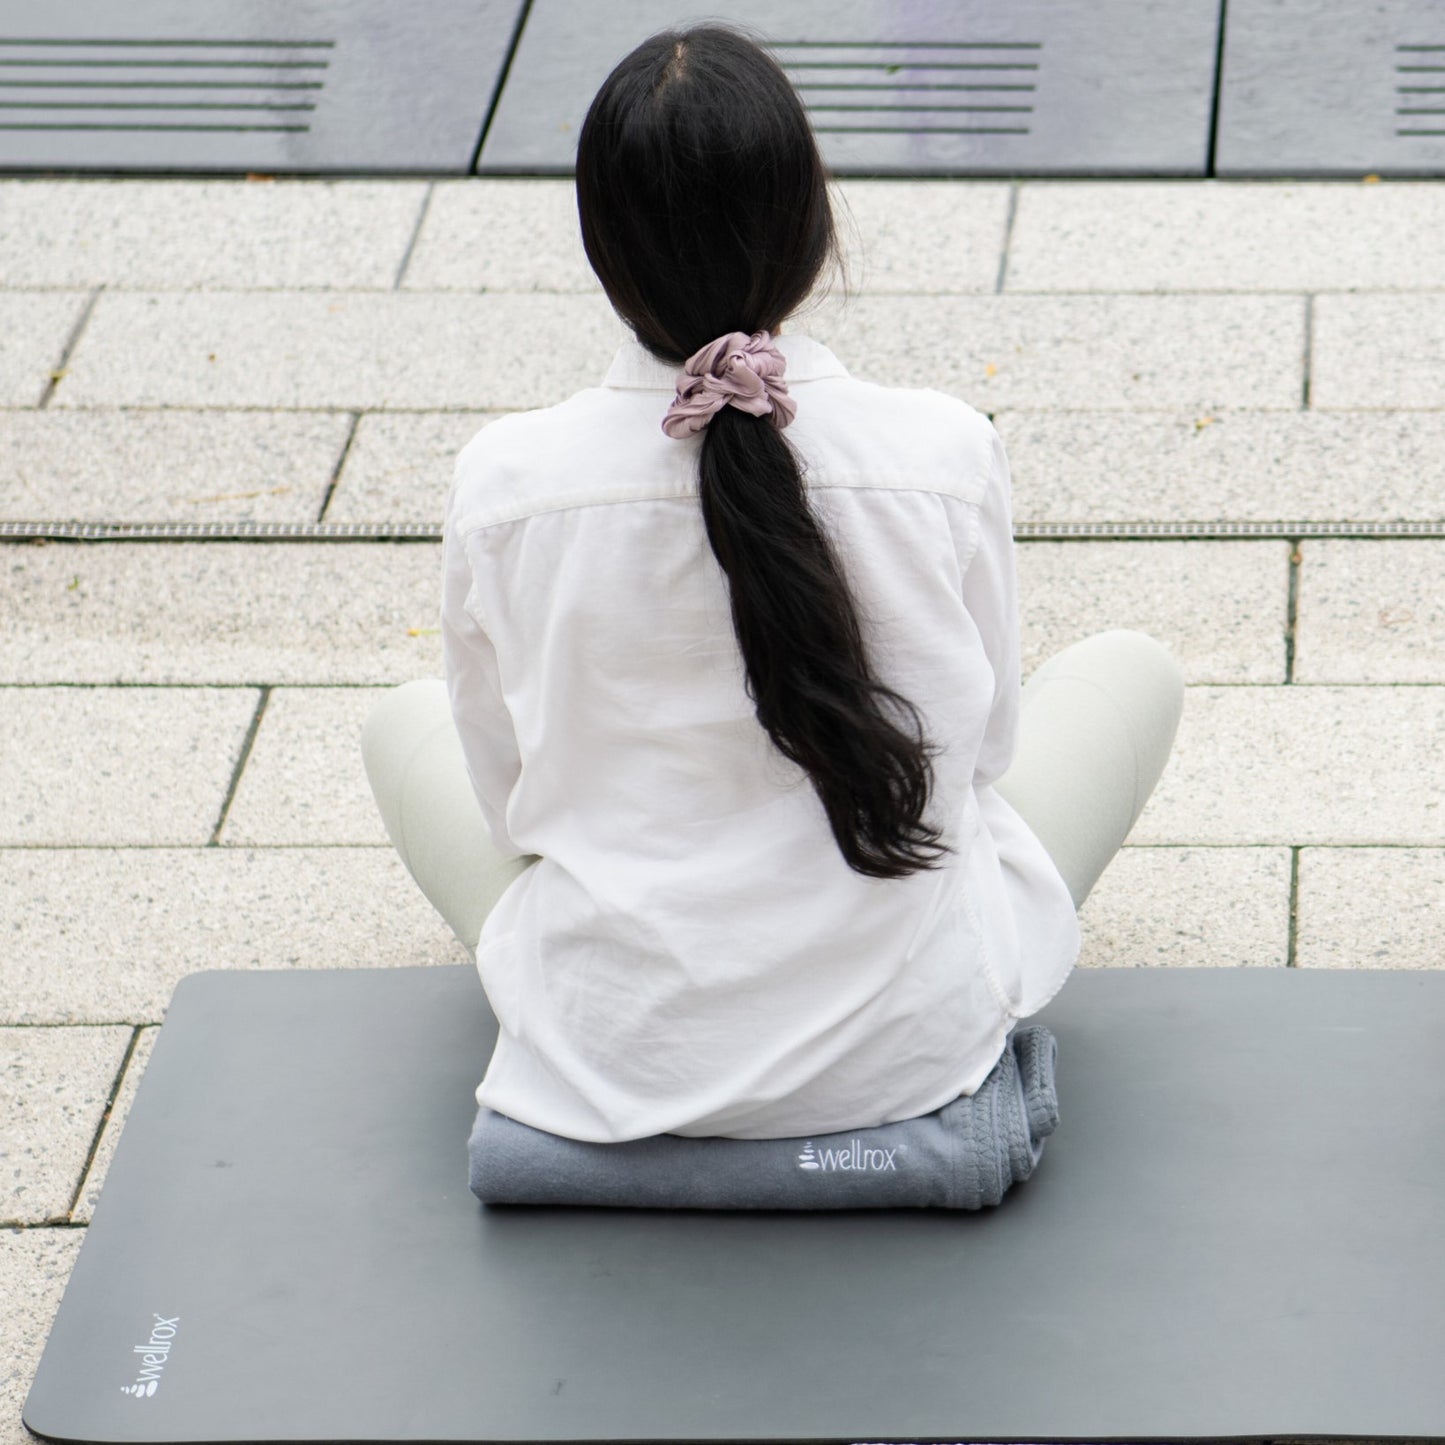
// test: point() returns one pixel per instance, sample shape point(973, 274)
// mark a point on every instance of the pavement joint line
point(1218, 530)
point(242, 758)
point(1008, 233)
point(335, 477)
point(111, 1097)
point(1308, 352)
point(502, 78)
point(1291, 959)
point(57, 374)
point(415, 235)
point(1291, 608)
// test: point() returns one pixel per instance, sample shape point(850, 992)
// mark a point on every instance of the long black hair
point(704, 210)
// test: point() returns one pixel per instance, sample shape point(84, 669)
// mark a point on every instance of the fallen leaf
point(61, 374)
point(990, 369)
point(1370, 180)
point(238, 496)
point(1204, 421)
point(73, 584)
point(259, 176)
point(1395, 616)
point(422, 631)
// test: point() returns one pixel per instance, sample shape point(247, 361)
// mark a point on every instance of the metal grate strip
point(1196, 531)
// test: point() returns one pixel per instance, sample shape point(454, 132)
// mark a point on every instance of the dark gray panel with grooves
point(251, 85)
point(911, 87)
point(1333, 87)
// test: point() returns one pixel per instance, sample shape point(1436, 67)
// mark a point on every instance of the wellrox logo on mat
point(854, 1157)
point(153, 1356)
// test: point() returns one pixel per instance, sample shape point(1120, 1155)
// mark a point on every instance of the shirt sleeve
point(990, 593)
point(474, 685)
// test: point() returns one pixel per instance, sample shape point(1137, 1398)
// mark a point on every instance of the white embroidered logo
point(854, 1158)
point(153, 1356)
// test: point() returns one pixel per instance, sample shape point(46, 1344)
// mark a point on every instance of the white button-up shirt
point(691, 954)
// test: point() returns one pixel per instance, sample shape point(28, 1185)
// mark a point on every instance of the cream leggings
point(1097, 724)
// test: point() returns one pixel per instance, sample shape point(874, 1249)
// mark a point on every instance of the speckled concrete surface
point(1371, 612)
point(178, 466)
point(356, 349)
point(34, 1266)
point(1225, 466)
point(129, 765)
point(221, 613)
point(1378, 353)
point(101, 935)
point(305, 782)
point(1138, 369)
point(1160, 907)
point(1079, 353)
point(164, 235)
point(1218, 236)
point(1302, 765)
point(34, 331)
point(400, 465)
point(55, 1084)
point(1220, 607)
point(90, 1186)
point(1371, 908)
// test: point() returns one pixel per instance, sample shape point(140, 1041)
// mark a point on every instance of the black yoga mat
point(1236, 1231)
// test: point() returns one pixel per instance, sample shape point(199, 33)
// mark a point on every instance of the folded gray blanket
point(962, 1156)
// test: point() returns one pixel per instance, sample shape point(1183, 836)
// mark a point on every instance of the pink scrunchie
point(735, 370)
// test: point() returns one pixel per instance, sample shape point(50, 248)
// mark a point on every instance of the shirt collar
point(635, 368)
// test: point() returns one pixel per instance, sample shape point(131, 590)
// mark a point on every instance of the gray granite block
point(1303, 765)
point(230, 612)
point(34, 331)
point(55, 1084)
point(178, 234)
point(922, 236)
point(115, 766)
point(35, 1265)
point(305, 782)
point(400, 465)
point(1189, 908)
point(99, 935)
point(1226, 236)
point(179, 466)
point(1069, 353)
point(1227, 465)
point(1371, 908)
point(1220, 607)
point(94, 1179)
point(500, 235)
point(360, 350)
point(1371, 611)
point(1378, 352)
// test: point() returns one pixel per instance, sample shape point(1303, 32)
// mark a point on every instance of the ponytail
point(704, 210)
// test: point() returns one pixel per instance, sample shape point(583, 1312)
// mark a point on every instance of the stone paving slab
point(1378, 352)
point(34, 331)
point(1303, 765)
point(117, 766)
point(305, 783)
point(1220, 607)
point(235, 612)
point(91, 1185)
point(1225, 466)
point(500, 235)
point(1371, 908)
point(400, 465)
point(353, 349)
point(1371, 612)
point(179, 466)
point(35, 1265)
point(522, 235)
point(1226, 236)
point(170, 235)
point(1068, 353)
point(919, 236)
point(55, 1084)
point(1189, 908)
point(99, 935)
